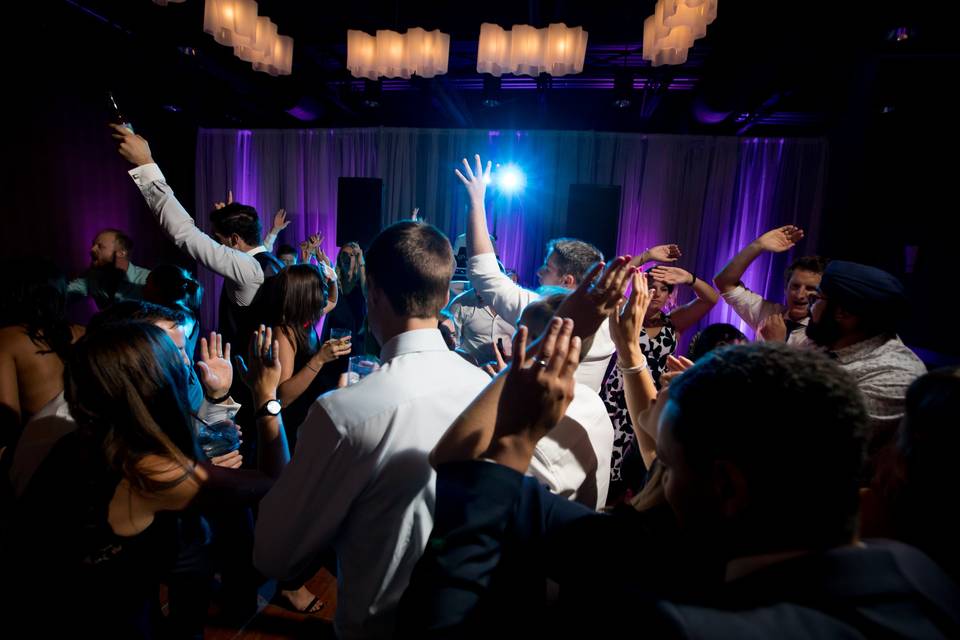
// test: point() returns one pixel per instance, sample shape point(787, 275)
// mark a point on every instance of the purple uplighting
point(733, 189)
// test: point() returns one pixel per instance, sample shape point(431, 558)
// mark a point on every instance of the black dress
point(71, 571)
point(655, 350)
point(296, 412)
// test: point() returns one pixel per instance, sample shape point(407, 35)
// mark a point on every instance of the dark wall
point(891, 197)
point(62, 177)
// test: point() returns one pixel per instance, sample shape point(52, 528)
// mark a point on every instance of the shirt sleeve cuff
point(146, 173)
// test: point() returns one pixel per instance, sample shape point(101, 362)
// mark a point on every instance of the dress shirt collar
point(256, 250)
point(413, 342)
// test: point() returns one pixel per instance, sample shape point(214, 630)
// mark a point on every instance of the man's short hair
point(286, 249)
point(798, 441)
point(573, 256)
point(412, 263)
point(122, 240)
point(540, 312)
point(240, 219)
point(816, 264)
point(135, 310)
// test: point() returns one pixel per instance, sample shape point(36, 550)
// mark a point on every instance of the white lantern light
point(261, 45)
point(565, 50)
point(391, 55)
point(526, 50)
point(230, 22)
point(493, 52)
point(361, 54)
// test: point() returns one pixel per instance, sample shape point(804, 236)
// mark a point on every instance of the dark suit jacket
point(497, 534)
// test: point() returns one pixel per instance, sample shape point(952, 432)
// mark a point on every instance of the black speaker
point(359, 202)
point(593, 215)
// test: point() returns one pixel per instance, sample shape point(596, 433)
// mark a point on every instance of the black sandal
point(283, 602)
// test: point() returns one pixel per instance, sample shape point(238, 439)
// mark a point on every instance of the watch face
point(273, 407)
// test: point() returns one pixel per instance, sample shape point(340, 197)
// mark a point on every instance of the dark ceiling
point(764, 68)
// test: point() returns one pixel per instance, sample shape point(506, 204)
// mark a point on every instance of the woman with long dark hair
point(97, 513)
point(35, 339)
point(300, 300)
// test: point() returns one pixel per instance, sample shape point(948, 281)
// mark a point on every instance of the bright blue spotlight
point(510, 179)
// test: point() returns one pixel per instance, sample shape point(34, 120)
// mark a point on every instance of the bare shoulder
point(14, 338)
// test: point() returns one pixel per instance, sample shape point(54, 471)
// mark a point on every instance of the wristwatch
point(269, 408)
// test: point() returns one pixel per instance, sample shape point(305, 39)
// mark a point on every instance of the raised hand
point(133, 148)
point(221, 205)
point(671, 275)
point(597, 298)
point(664, 253)
point(216, 374)
point(280, 221)
point(538, 389)
point(625, 326)
point(773, 329)
point(779, 240)
point(498, 364)
point(476, 183)
point(675, 367)
point(263, 374)
point(414, 214)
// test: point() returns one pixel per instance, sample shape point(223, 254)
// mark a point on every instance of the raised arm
point(690, 313)
point(659, 253)
point(638, 386)
point(174, 219)
point(478, 235)
point(775, 240)
point(505, 296)
point(280, 223)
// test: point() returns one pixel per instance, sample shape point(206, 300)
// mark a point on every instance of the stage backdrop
point(710, 195)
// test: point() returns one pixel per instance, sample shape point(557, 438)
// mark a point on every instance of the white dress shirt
point(573, 460)
point(478, 326)
point(753, 309)
point(241, 272)
point(360, 480)
point(508, 299)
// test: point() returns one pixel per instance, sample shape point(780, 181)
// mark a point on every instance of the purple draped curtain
point(710, 195)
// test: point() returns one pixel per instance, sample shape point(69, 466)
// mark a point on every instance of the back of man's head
point(240, 219)
point(537, 315)
point(573, 256)
point(412, 264)
point(796, 439)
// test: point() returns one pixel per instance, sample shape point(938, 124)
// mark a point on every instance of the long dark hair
point(34, 295)
point(126, 385)
point(300, 295)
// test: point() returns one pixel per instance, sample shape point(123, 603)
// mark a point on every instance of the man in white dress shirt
point(360, 480)
point(235, 252)
point(573, 459)
point(773, 320)
point(566, 263)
